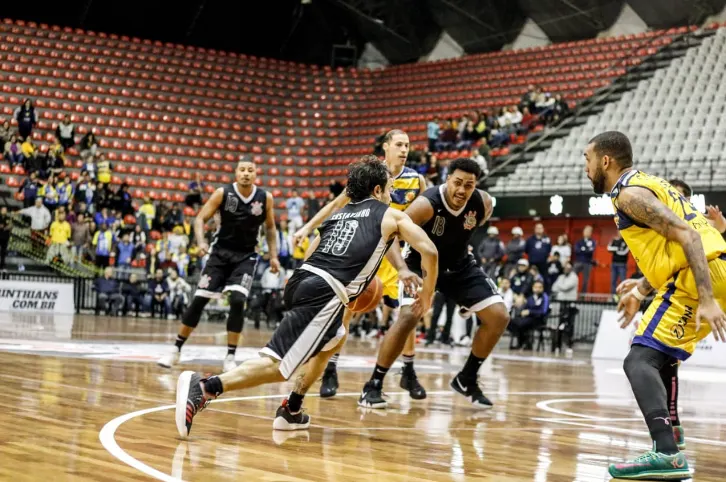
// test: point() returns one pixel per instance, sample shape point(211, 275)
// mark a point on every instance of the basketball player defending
point(345, 257)
point(449, 214)
point(243, 208)
point(682, 257)
point(407, 185)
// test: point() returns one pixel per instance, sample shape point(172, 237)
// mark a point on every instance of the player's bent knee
point(406, 319)
point(194, 311)
point(235, 319)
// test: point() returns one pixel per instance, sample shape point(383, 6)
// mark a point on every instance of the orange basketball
point(369, 299)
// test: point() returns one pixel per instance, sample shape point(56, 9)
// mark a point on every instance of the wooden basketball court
point(83, 401)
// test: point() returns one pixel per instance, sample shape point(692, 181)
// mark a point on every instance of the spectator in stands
point(65, 192)
point(505, 289)
point(105, 169)
point(481, 126)
point(159, 294)
point(534, 315)
point(514, 250)
point(177, 239)
point(89, 169)
point(147, 214)
point(486, 152)
point(29, 151)
point(619, 264)
point(522, 279)
point(81, 237)
point(529, 98)
point(65, 132)
point(138, 238)
point(133, 294)
point(60, 235)
point(298, 253)
point(108, 296)
point(498, 136)
point(528, 120)
point(560, 109)
point(175, 216)
point(515, 117)
point(313, 204)
point(194, 196)
point(179, 291)
point(432, 132)
point(103, 242)
point(6, 225)
point(554, 268)
point(538, 248)
point(13, 151)
point(124, 252)
point(5, 132)
point(491, 252)
point(103, 217)
point(467, 138)
point(294, 206)
point(26, 117)
point(565, 286)
point(447, 138)
point(29, 189)
point(182, 260)
point(84, 190)
point(545, 106)
point(563, 247)
point(39, 217)
point(88, 147)
point(584, 261)
point(152, 260)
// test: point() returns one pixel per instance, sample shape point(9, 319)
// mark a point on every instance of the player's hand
point(411, 281)
point(711, 313)
point(203, 249)
point(716, 218)
point(626, 286)
point(628, 306)
point(422, 304)
point(274, 265)
point(300, 235)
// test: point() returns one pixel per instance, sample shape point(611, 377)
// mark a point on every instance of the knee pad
point(235, 319)
point(194, 312)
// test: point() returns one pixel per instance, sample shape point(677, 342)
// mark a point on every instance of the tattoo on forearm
point(645, 285)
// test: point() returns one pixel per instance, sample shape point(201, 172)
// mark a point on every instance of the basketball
point(369, 299)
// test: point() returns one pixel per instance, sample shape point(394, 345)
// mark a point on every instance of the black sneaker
point(372, 395)
point(472, 392)
point(329, 387)
point(190, 400)
point(285, 420)
point(409, 381)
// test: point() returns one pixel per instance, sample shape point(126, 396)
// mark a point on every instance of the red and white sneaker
point(190, 400)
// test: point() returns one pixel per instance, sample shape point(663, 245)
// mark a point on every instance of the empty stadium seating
point(676, 122)
point(162, 110)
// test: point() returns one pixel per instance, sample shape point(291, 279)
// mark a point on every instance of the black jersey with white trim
point(241, 218)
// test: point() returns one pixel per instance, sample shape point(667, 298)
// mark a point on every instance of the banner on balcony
point(38, 297)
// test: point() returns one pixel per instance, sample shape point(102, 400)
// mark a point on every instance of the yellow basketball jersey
point(406, 187)
point(658, 258)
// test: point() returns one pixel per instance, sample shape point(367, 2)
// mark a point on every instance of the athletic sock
point(213, 385)
point(669, 375)
point(179, 342)
point(379, 373)
point(333, 362)
point(294, 402)
point(661, 431)
point(231, 350)
point(471, 367)
point(408, 363)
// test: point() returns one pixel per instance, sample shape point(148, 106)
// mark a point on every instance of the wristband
point(636, 292)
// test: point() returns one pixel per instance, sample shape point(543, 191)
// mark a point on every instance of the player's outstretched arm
point(642, 206)
point(318, 219)
point(205, 214)
point(271, 234)
point(488, 206)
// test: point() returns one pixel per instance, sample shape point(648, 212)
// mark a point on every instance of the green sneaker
point(652, 465)
point(679, 435)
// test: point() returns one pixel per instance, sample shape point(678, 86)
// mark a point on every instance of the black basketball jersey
point(449, 230)
point(351, 245)
point(241, 219)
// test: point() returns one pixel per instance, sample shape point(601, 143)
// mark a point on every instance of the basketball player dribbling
point(683, 258)
point(449, 214)
point(243, 208)
point(342, 261)
point(407, 185)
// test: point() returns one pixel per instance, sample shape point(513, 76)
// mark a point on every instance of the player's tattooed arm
point(488, 206)
point(644, 286)
point(642, 206)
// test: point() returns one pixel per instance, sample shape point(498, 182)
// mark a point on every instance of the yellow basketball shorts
point(389, 277)
point(669, 323)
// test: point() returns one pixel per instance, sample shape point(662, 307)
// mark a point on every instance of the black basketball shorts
point(468, 286)
point(227, 271)
point(313, 322)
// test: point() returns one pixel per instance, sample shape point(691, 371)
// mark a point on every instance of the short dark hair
point(614, 144)
point(364, 176)
point(389, 135)
point(677, 183)
point(467, 165)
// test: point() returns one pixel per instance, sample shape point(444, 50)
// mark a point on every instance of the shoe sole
point(182, 392)
point(379, 405)
point(681, 447)
point(163, 365)
point(281, 424)
point(328, 395)
point(656, 475)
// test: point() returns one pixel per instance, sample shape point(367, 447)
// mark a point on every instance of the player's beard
point(598, 181)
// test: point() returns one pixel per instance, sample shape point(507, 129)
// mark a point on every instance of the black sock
point(408, 363)
point(231, 349)
point(661, 431)
point(294, 402)
point(669, 375)
point(379, 373)
point(213, 385)
point(471, 367)
point(179, 342)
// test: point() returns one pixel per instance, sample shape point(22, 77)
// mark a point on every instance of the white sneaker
point(170, 359)
point(229, 363)
point(466, 341)
point(568, 352)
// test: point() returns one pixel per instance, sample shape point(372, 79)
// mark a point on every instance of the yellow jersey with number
point(405, 188)
point(658, 258)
